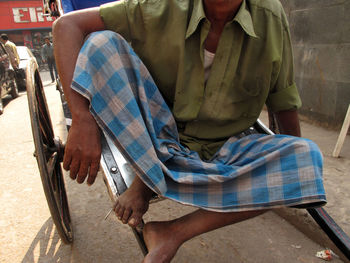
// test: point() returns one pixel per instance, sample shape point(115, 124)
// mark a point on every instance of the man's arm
point(288, 122)
point(11, 55)
point(83, 149)
point(284, 99)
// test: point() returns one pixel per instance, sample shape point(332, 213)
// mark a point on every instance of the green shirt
point(253, 64)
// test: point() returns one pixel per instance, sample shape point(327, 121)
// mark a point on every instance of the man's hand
point(83, 149)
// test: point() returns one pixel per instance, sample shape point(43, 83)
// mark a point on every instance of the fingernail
point(132, 221)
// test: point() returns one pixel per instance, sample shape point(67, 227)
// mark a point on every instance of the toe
point(135, 220)
point(120, 212)
point(116, 208)
point(126, 215)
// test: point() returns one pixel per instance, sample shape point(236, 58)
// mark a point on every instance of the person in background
point(48, 57)
point(11, 50)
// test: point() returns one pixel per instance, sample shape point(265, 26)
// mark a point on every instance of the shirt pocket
point(243, 98)
point(245, 89)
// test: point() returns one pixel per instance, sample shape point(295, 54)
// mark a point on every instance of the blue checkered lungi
point(255, 172)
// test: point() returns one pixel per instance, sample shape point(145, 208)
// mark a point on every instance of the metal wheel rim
point(47, 156)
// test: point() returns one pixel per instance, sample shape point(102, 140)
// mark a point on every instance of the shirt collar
point(243, 18)
point(196, 16)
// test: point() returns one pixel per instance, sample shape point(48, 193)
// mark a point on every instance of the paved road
point(27, 233)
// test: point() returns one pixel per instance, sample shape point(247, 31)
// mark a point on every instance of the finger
point(93, 173)
point(74, 168)
point(126, 215)
point(83, 170)
point(67, 159)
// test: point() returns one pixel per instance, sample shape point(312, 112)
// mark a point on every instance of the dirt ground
point(27, 233)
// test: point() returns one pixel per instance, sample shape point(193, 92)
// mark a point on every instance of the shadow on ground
point(47, 246)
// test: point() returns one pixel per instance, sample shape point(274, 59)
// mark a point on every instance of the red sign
point(23, 15)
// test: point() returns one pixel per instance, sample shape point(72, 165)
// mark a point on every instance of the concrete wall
point(320, 32)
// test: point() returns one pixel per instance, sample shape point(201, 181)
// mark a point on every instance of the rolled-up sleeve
point(284, 95)
point(285, 99)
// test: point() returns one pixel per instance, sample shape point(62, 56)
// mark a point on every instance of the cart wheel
point(48, 153)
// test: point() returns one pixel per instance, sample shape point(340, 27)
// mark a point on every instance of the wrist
point(85, 124)
point(82, 117)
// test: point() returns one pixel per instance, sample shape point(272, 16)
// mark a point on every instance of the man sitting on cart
point(179, 110)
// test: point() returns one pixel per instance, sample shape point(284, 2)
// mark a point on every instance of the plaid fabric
point(255, 172)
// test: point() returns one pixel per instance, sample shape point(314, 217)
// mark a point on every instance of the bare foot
point(133, 203)
point(162, 242)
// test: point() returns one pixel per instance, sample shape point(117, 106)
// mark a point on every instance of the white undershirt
point(208, 62)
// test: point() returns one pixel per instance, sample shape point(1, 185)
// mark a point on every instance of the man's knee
point(104, 39)
point(303, 145)
point(307, 144)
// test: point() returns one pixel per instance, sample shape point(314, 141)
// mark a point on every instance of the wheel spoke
point(51, 167)
point(64, 205)
point(56, 181)
point(44, 121)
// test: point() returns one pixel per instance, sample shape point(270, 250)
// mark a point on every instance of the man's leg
point(111, 68)
point(133, 203)
point(163, 239)
point(49, 63)
point(54, 67)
